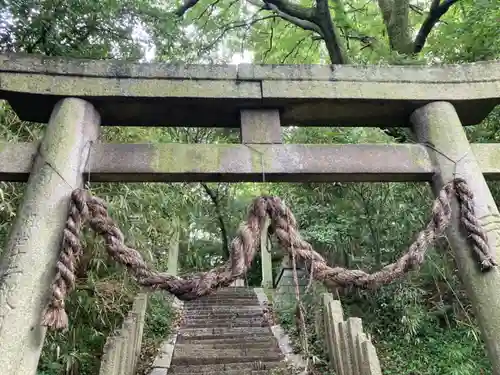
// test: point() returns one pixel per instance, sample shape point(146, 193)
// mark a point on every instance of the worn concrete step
point(237, 290)
point(238, 353)
point(237, 322)
point(226, 295)
point(226, 309)
point(230, 372)
point(220, 368)
point(223, 297)
point(218, 356)
point(223, 331)
point(231, 343)
point(223, 308)
point(230, 292)
point(227, 324)
point(240, 345)
point(223, 315)
point(217, 318)
point(246, 339)
point(225, 301)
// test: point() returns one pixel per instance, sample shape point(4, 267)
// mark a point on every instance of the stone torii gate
point(75, 97)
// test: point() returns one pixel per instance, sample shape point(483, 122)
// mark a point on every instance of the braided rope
point(71, 250)
point(88, 209)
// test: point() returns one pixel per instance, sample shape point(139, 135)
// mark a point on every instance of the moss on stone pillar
point(438, 124)
point(29, 260)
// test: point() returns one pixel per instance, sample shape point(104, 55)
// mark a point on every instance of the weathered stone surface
point(30, 255)
point(221, 323)
point(371, 364)
point(162, 361)
point(231, 341)
point(438, 124)
point(193, 95)
point(38, 64)
point(223, 332)
point(236, 372)
point(234, 162)
point(237, 353)
point(159, 371)
point(224, 367)
point(213, 349)
point(222, 310)
point(260, 126)
point(452, 73)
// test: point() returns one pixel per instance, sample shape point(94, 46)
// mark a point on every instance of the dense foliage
point(422, 325)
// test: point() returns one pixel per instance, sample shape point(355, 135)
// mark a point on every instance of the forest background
point(422, 325)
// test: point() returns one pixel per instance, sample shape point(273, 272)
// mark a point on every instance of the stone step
point(224, 302)
point(239, 322)
point(224, 367)
point(193, 356)
point(239, 345)
point(228, 324)
point(217, 344)
point(225, 292)
point(223, 332)
point(229, 309)
point(223, 295)
point(221, 307)
point(222, 315)
point(230, 372)
point(206, 352)
point(246, 339)
point(217, 318)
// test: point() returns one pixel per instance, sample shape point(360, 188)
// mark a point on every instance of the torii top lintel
point(160, 94)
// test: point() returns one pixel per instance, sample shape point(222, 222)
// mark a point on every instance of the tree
point(350, 31)
point(332, 24)
point(360, 226)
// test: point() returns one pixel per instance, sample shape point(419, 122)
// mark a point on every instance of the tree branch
point(215, 200)
point(435, 5)
point(271, 36)
point(330, 35)
point(235, 25)
point(304, 23)
point(295, 48)
point(386, 9)
point(399, 27)
point(435, 13)
point(188, 4)
point(293, 10)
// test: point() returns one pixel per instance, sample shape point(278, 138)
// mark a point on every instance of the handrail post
point(438, 124)
point(28, 265)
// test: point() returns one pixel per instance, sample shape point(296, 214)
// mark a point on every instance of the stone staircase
point(226, 333)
